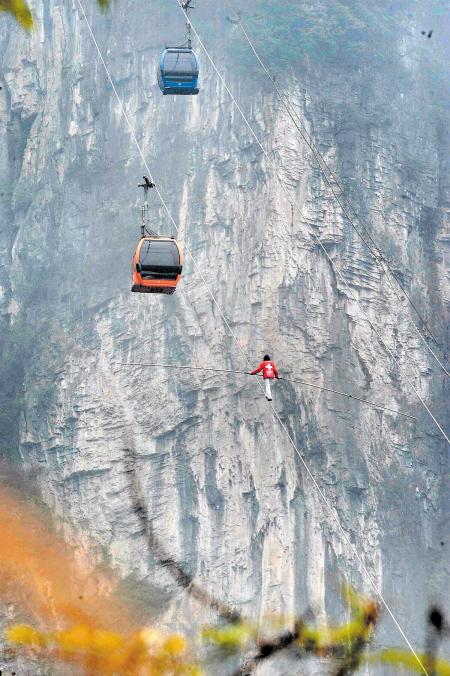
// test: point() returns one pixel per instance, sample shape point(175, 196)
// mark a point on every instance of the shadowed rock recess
point(228, 494)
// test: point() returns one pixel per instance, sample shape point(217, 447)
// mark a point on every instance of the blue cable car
point(178, 66)
point(178, 71)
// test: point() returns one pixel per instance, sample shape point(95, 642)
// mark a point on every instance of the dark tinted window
point(180, 63)
point(159, 253)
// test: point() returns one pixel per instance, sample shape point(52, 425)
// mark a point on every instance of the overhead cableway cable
point(328, 505)
point(375, 250)
point(315, 235)
point(288, 380)
point(334, 516)
point(144, 161)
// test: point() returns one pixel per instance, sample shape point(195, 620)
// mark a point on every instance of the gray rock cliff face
point(228, 493)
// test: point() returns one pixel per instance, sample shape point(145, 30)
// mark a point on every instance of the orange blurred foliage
point(80, 622)
point(42, 579)
point(147, 652)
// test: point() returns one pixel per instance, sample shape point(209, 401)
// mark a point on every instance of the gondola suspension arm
point(144, 209)
point(186, 4)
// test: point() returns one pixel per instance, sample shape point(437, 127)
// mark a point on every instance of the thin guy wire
point(319, 241)
point(288, 380)
point(333, 515)
point(136, 142)
point(320, 159)
point(273, 408)
point(377, 254)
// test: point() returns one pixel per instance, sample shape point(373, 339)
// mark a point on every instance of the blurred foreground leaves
point(62, 609)
point(19, 10)
point(230, 638)
point(105, 652)
point(342, 644)
point(400, 658)
point(68, 610)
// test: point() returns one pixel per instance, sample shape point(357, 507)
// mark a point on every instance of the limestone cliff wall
point(227, 491)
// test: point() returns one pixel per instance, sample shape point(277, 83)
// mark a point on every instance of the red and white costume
point(269, 371)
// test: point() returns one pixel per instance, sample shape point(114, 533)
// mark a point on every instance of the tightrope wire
point(319, 241)
point(374, 585)
point(328, 505)
point(288, 380)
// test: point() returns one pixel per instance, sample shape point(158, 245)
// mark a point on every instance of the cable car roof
point(179, 61)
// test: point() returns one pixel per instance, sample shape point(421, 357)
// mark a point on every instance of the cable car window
point(161, 254)
point(176, 63)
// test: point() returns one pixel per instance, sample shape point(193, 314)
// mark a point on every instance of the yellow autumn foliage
point(400, 658)
point(19, 10)
point(146, 652)
point(231, 637)
point(324, 640)
point(319, 641)
point(80, 621)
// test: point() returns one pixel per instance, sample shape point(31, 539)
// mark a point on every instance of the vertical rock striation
point(228, 493)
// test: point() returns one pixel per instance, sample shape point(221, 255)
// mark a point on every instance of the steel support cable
point(378, 255)
point(324, 168)
point(321, 160)
point(319, 241)
point(334, 516)
point(144, 161)
point(288, 380)
point(328, 505)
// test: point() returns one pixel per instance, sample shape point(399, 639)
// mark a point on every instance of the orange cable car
point(157, 264)
point(158, 261)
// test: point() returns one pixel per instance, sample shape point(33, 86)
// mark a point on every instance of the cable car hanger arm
point(186, 4)
point(144, 209)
